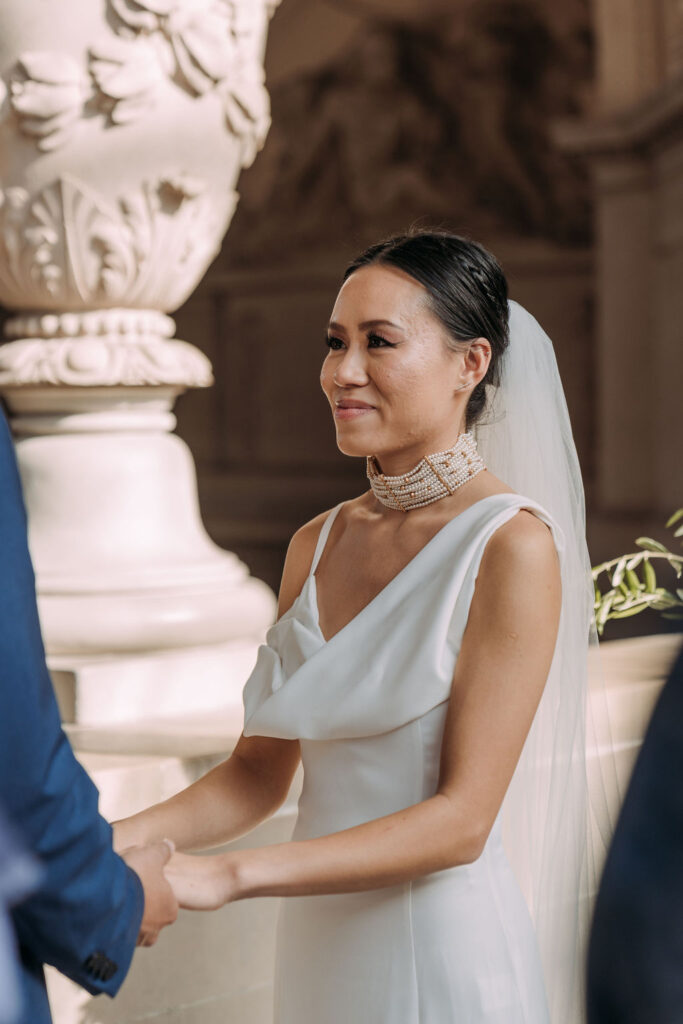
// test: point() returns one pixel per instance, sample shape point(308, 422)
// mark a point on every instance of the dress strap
point(323, 535)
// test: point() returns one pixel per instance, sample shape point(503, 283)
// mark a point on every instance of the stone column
point(123, 128)
point(634, 147)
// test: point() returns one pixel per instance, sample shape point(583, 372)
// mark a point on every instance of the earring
point(463, 386)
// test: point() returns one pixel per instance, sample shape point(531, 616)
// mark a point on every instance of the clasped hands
point(172, 880)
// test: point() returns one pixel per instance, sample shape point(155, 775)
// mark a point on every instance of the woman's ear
point(475, 363)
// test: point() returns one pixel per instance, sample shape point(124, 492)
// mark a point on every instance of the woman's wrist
point(247, 873)
point(237, 878)
point(128, 832)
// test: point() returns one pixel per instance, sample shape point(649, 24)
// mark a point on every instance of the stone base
point(104, 691)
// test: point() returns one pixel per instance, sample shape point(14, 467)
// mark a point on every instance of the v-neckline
point(312, 582)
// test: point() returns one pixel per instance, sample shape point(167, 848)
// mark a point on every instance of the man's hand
point(161, 905)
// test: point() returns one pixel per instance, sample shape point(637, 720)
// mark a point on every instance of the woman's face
point(389, 375)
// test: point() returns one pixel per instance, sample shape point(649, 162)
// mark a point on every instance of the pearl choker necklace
point(434, 477)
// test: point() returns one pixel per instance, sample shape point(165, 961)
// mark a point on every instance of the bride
point(428, 666)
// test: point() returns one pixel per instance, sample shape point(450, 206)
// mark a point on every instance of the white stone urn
point(124, 125)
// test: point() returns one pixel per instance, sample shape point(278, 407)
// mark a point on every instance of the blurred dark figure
point(20, 875)
point(635, 957)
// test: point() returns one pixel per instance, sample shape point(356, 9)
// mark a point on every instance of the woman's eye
point(374, 339)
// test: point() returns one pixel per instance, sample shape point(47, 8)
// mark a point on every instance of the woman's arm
point(235, 796)
point(499, 677)
point(230, 800)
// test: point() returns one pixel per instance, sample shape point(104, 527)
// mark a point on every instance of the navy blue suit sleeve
point(635, 956)
point(87, 911)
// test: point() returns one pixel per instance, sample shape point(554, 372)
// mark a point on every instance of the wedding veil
point(557, 813)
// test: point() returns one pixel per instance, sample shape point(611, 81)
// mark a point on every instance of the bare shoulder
point(523, 541)
point(520, 567)
point(298, 560)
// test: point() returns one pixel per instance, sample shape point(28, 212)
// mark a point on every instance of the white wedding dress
point(456, 946)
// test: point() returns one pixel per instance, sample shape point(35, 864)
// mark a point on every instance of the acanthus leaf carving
point(66, 246)
point(215, 44)
point(128, 75)
point(143, 17)
point(197, 32)
point(246, 106)
point(202, 45)
point(47, 92)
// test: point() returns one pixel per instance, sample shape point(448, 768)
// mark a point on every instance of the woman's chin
point(357, 447)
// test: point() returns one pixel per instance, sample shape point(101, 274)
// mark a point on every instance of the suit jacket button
point(110, 969)
point(100, 966)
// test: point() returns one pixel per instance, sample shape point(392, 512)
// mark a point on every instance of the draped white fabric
point(557, 818)
point(394, 661)
point(369, 708)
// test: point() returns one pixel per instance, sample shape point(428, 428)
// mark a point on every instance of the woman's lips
point(342, 412)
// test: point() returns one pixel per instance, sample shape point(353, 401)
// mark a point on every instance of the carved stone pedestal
point(123, 129)
point(141, 613)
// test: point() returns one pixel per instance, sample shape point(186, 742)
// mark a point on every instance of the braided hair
point(466, 288)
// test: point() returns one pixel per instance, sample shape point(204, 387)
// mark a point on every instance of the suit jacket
point(84, 917)
point(635, 957)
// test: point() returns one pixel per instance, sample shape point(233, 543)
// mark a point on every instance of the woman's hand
point(203, 882)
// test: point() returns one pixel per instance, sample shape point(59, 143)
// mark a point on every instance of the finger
point(164, 850)
point(167, 848)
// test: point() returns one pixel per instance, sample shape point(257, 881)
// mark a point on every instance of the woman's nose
point(351, 369)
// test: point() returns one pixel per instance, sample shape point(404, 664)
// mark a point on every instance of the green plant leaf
point(618, 573)
point(625, 613)
point(604, 609)
point(650, 577)
point(665, 599)
point(629, 594)
point(651, 545)
point(633, 581)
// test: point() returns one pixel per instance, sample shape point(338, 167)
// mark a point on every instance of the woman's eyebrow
point(365, 324)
